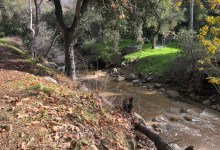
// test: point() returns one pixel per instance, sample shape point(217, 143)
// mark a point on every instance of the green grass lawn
point(150, 60)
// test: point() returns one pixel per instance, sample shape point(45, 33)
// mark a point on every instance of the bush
point(184, 70)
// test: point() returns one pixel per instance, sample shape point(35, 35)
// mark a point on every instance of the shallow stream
point(199, 126)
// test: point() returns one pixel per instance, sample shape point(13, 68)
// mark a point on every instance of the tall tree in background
point(68, 33)
point(191, 14)
point(161, 16)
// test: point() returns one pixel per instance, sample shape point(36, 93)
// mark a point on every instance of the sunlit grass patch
point(154, 61)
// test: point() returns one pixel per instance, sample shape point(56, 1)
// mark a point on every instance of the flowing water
point(202, 131)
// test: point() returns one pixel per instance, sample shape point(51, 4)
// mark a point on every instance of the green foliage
point(153, 61)
point(125, 42)
point(12, 17)
point(38, 87)
point(186, 40)
point(35, 87)
point(184, 68)
point(100, 36)
point(14, 49)
point(2, 34)
point(191, 51)
point(50, 19)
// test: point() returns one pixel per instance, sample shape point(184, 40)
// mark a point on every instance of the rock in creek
point(131, 77)
point(207, 103)
point(214, 107)
point(173, 94)
point(157, 85)
point(120, 78)
point(137, 81)
point(162, 89)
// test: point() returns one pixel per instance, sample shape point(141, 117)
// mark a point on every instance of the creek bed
point(199, 127)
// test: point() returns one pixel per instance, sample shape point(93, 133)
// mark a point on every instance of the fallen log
point(158, 141)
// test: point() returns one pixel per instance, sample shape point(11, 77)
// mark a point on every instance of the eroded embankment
point(40, 112)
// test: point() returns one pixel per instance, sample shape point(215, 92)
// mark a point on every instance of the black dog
point(128, 104)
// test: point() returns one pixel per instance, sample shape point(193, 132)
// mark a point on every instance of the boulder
point(51, 80)
point(136, 81)
point(115, 71)
point(130, 49)
point(213, 100)
point(148, 78)
point(162, 89)
point(157, 85)
point(120, 78)
point(214, 107)
point(130, 77)
point(173, 94)
point(207, 103)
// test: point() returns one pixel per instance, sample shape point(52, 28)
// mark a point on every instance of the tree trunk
point(154, 41)
point(31, 18)
point(68, 57)
point(155, 36)
point(32, 52)
point(159, 143)
point(68, 33)
point(37, 15)
point(191, 14)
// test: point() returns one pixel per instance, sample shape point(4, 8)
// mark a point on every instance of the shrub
point(184, 70)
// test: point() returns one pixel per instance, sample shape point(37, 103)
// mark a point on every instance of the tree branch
point(81, 7)
point(59, 16)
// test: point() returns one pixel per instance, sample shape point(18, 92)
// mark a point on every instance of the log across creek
point(140, 125)
point(158, 141)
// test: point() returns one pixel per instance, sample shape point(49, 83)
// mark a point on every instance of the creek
point(192, 123)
